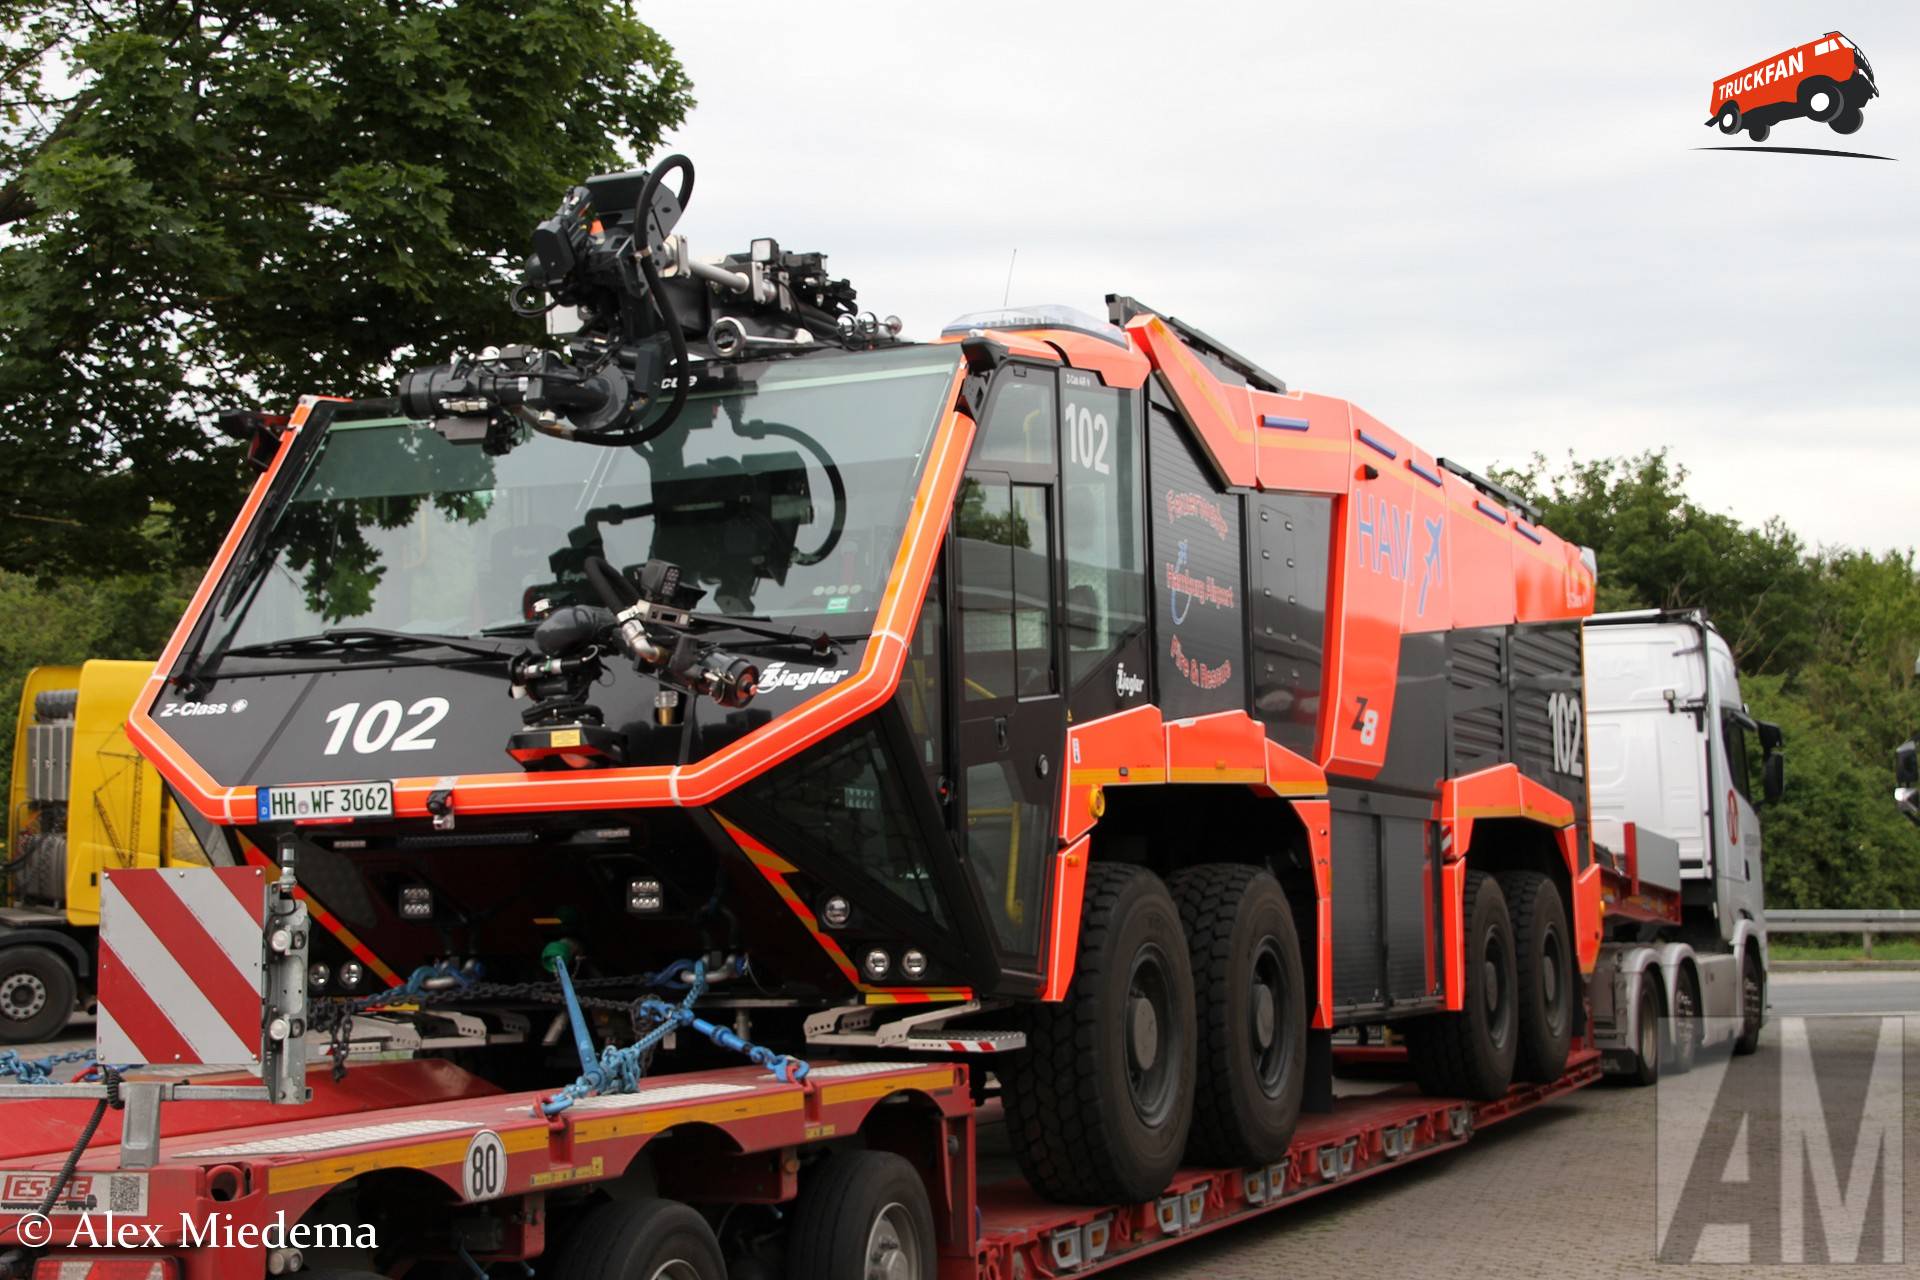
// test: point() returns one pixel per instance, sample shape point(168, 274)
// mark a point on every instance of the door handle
point(1000, 731)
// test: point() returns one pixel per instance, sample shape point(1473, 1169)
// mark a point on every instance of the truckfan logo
point(1826, 81)
point(1794, 1155)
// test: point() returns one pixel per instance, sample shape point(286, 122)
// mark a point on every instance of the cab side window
point(1106, 591)
point(1733, 741)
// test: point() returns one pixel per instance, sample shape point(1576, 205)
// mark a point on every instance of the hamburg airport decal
point(1827, 81)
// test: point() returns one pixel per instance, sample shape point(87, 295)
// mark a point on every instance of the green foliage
point(1826, 643)
point(1659, 549)
point(125, 616)
point(216, 204)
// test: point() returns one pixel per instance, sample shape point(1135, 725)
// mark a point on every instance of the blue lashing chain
point(619, 1070)
point(38, 1070)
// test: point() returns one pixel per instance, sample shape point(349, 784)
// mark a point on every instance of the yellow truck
point(81, 801)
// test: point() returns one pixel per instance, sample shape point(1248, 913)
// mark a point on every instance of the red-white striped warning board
point(181, 966)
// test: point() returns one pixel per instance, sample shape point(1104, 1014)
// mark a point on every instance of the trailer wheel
point(37, 991)
point(1848, 121)
point(1471, 1053)
point(1250, 1011)
point(1100, 1103)
point(862, 1215)
point(1730, 118)
point(1643, 1065)
point(1545, 977)
point(1758, 131)
point(1753, 1005)
point(1821, 99)
point(1683, 1044)
point(641, 1240)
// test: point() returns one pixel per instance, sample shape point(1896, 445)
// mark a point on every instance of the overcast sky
point(1484, 223)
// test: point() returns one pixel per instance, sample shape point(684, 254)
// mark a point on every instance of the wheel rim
point(1266, 998)
point(1495, 990)
point(893, 1246)
point(1151, 1054)
point(675, 1269)
point(1553, 979)
point(22, 995)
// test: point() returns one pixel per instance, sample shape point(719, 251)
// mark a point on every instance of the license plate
point(326, 802)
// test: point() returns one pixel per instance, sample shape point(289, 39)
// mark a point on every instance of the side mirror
point(260, 431)
point(1774, 779)
point(1771, 739)
point(1906, 762)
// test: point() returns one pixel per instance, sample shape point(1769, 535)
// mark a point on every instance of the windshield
point(783, 492)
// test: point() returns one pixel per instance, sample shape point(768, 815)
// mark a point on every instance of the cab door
point(1009, 712)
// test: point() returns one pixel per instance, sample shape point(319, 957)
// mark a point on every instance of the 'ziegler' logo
point(1126, 686)
point(779, 675)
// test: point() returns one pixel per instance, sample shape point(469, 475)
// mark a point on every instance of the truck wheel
point(1545, 979)
point(1100, 1103)
point(37, 991)
point(1821, 99)
point(1758, 132)
point(1471, 1053)
point(1683, 1045)
point(862, 1215)
point(1730, 118)
point(641, 1240)
point(1644, 1064)
point(1250, 1011)
point(1848, 121)
point(1753, 1005)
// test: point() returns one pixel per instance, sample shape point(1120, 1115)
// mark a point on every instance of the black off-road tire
point(1753, 1004)
point(1079, 1133)
point(1547, 975)
point(1848, 121)
point(1470, 1054)
point(37, 993)
point(857, 1211)
point(1759, 132)
point(1836, 99)
point(1729, 119)
point(637, 1238)
point(1250, 1009)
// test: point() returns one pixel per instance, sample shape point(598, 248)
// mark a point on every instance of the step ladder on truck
point(774, 799)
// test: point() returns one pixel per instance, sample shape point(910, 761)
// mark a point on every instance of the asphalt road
point(1565, 1190)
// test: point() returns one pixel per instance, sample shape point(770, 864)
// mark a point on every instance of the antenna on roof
point(1008, 293)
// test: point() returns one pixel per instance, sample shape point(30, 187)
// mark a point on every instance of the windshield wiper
point(820, 642)
point(348, 641)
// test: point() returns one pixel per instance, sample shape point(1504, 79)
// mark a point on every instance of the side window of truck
point(1106, 592)
point(1733, 740)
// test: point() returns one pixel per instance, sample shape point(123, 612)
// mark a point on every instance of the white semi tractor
point(1679, 770)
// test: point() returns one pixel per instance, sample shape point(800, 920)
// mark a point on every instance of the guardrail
point(1864, 923)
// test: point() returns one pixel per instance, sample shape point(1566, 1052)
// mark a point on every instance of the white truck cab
point(1678, 770)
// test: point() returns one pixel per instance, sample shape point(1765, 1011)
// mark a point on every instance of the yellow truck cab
point(81, 800)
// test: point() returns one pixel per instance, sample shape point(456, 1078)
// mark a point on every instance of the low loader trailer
point(1041, 754)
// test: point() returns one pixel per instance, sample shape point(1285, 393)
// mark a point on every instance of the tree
point(211, 204)
point(1658, 549)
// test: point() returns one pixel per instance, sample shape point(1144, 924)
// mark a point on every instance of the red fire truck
point(1828, 80)
point(1063, 731)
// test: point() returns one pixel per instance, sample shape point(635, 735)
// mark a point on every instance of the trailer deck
point(733, 1136)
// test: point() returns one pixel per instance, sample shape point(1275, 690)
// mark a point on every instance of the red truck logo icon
point(1826, 80)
